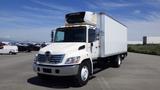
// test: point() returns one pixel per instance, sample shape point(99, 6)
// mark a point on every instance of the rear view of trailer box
point(113, 36)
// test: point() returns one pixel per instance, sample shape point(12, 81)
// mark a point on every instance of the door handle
point(91, 44)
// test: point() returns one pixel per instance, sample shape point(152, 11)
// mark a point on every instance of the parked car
point(27, 47)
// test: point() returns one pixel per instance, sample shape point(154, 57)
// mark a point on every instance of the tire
point(14, 53)
point(41, 76)
point(10, 53)
point(83, 74)
point(117, 60)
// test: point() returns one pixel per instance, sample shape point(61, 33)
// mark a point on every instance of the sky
point(33, 20)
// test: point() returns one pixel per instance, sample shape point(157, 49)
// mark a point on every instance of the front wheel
point(117, 61)
point(83, 74)
point(10, 53)
point(42, 76)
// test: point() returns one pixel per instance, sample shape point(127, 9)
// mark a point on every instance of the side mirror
point(52, 36)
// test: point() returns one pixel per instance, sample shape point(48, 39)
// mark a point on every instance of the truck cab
point(71, 47)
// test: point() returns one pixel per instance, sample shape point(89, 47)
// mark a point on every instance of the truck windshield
point(70, 34)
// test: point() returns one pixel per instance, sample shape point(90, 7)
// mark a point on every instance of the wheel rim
point(84, 73)
point(119, 61)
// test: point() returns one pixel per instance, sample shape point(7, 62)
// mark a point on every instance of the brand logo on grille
point(48, 55)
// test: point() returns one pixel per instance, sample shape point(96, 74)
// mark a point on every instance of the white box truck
point(85, 38)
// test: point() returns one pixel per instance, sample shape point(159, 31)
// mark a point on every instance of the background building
point(151, 40)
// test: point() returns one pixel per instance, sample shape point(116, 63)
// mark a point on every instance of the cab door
point(93, 40)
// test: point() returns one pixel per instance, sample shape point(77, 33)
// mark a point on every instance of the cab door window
point(91, 35)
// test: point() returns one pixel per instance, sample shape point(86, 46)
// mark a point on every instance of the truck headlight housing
point(35, 59)
point(73, 60)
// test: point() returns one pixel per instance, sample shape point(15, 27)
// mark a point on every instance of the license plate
point(46, 70)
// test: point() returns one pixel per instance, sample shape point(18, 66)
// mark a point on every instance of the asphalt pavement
point(137, 72)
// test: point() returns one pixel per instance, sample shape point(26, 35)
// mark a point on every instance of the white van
point(7, 49)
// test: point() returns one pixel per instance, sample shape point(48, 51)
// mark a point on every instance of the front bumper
point(65, 70)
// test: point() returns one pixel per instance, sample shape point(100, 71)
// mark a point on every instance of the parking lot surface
point(137, 72)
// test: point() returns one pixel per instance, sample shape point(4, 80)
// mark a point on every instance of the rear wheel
point(83, 74)
point(117, 61)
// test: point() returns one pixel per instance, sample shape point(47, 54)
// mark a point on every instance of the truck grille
point(55, 59)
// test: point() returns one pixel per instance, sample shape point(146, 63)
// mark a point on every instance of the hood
point(61, 48)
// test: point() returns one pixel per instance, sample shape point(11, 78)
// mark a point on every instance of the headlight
point(73, 60)
point(36, 58)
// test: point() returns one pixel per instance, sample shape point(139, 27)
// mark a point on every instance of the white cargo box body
point(113, 36)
